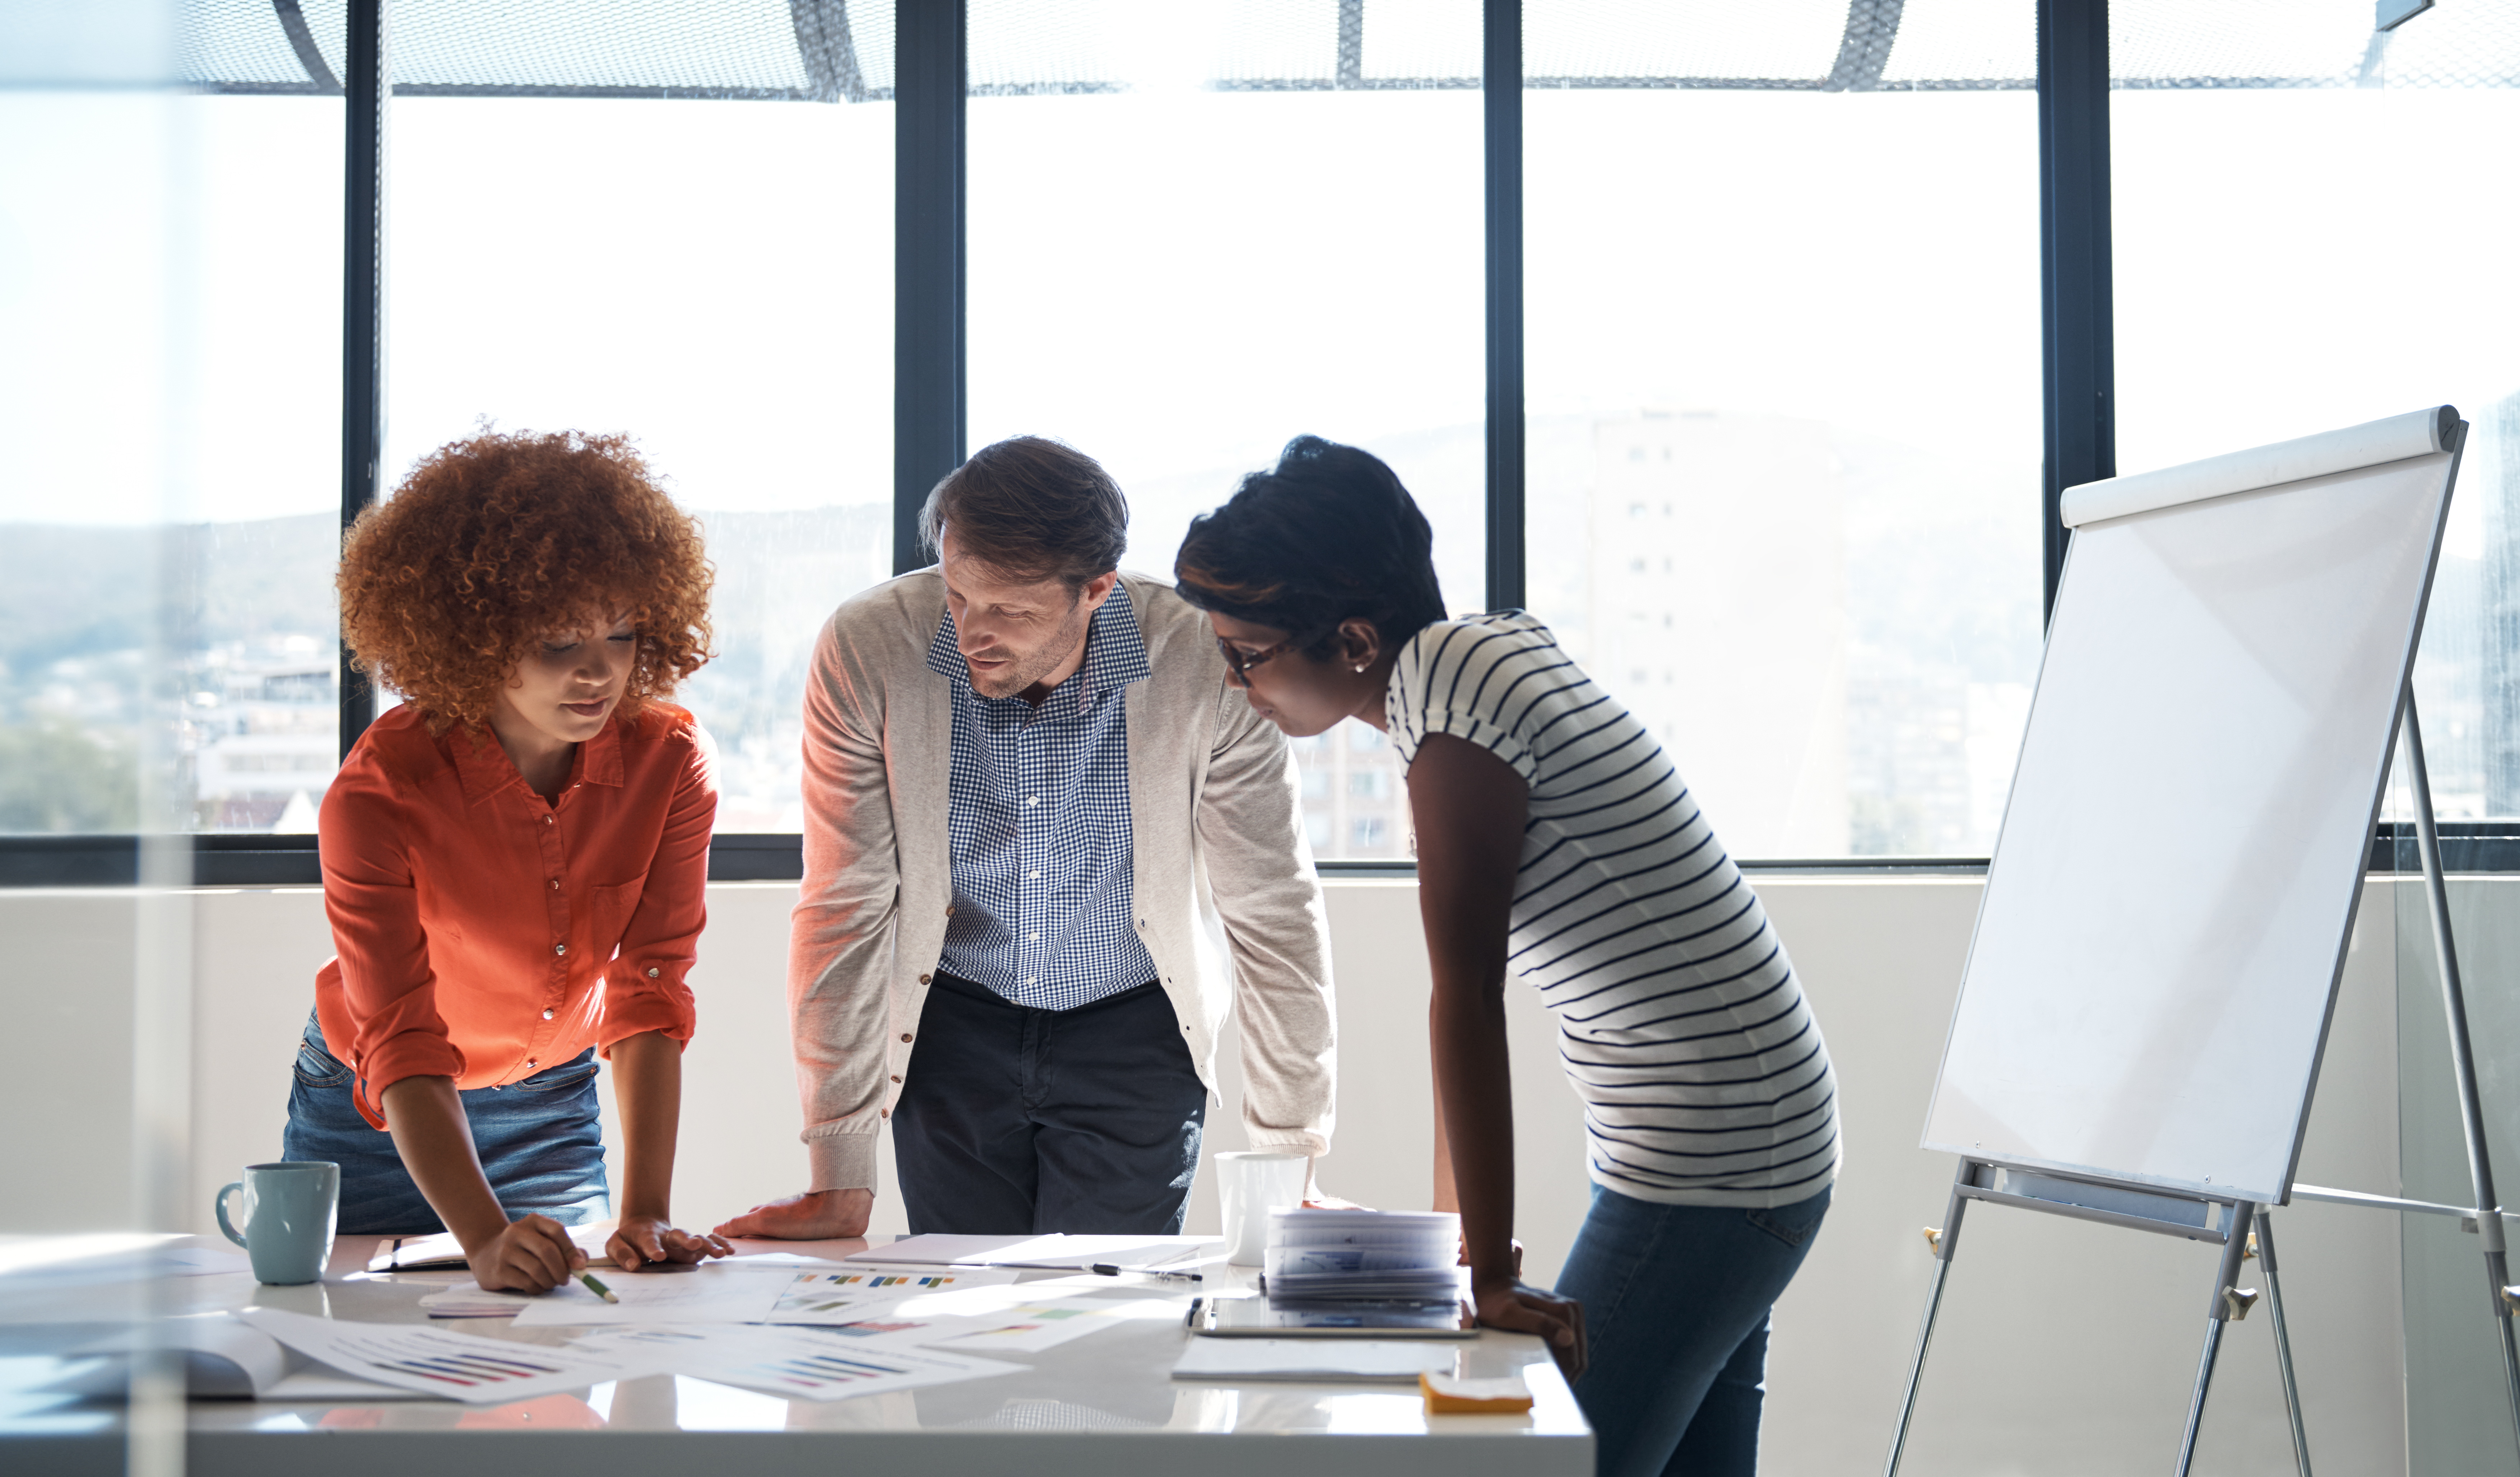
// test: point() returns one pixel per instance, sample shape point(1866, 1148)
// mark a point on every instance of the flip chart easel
point(2137, 1046)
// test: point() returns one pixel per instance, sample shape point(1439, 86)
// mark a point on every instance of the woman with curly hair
point(514, 859)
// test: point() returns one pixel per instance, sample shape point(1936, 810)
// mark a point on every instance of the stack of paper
point(1348, 1255)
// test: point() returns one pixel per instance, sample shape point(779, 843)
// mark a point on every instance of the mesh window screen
point(803, 50)
point(841, 50)
point(2310, 44)
point(243, 46)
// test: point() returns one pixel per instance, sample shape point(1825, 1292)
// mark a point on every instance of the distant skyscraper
point(2498, 615)
point(1718, 615)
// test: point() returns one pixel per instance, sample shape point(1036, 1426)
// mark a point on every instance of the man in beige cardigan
point(1031, 800)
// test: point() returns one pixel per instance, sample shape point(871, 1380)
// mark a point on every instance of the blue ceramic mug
point(289, 1214)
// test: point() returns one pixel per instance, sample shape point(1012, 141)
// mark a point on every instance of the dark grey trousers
point(1017, 1121)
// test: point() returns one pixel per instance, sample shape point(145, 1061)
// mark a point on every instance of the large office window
point(190, 536)
point(1200, 231)
point(1782, 317)
point(2328, 247)
point(1780, 313)
point(713, 276)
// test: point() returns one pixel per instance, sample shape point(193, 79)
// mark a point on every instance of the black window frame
point(930, 362)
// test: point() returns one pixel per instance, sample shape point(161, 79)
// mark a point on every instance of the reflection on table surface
point(1114, 1383)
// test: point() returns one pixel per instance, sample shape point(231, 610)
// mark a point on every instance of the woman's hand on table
point(1519, 1309)
point(531, 1255)
point(643, 1240)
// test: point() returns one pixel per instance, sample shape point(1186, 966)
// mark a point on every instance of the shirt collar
point(1115, 650)
point(484, 768)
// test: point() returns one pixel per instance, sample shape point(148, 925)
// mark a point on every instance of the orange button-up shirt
point(485, 933)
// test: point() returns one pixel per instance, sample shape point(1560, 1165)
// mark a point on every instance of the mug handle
point(219, 1207)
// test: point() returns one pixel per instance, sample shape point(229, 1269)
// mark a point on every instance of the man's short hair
point(1031, 509)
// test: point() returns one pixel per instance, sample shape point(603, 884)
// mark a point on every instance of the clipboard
point(1262, 1317)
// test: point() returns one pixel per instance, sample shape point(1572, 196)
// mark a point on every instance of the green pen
point(598, 1288)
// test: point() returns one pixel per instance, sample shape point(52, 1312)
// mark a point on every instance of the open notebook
point(442, 1252)
point(223, 1359)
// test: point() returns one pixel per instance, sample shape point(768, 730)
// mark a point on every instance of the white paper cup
point(1251, 1184)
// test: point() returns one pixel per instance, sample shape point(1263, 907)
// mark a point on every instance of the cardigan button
point(884, 1112)
point(905, 1035)
point(547, 1015)
point(923, 979)
point(653, 972)
point(559, 948)
point(896, 1076)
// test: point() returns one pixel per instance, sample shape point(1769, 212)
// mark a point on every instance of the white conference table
point(1100, 1404)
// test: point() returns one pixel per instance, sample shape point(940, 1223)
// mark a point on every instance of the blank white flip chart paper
point(2147, 994)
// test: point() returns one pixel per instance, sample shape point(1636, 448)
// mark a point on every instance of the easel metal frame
point(2230, 1222)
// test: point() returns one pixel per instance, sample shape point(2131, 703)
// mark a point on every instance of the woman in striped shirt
point(1556, 841)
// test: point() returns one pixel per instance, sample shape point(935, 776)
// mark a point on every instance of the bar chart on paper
point(457, 1366)
point(844, 1296)
point(798, 1362)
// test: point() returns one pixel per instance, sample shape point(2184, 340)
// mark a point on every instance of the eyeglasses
point(1240, 666)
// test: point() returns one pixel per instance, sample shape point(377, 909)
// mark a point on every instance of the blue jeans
point(1676, 1301)
point(540, 1141)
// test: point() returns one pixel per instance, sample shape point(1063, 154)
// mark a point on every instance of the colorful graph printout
point(802, 1363)
point(436, 1361)
point(839, 1297)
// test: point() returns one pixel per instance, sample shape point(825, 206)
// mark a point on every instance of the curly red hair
point(492, 542)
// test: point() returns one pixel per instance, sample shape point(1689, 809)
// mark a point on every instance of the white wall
point(2064, 1348)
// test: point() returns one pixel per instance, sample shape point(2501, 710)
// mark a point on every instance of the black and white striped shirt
point(1682, 1025)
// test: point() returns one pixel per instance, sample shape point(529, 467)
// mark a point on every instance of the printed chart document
point(1055, 1251)
point(1299, 1359)
point(1037, 1326)
point(712, 1292)
point(805, 1364)
point(1018, 1318)
point(436, 1361)
point(842, 1297)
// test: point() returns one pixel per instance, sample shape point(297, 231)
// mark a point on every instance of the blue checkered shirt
point(1038, 811)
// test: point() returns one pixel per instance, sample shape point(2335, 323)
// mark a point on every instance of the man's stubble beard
point(1043, 661)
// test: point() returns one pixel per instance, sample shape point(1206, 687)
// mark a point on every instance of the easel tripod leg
point(2283, 1343)
point(2235, 1245)
point(2462, 1057)
point(1945, 1245)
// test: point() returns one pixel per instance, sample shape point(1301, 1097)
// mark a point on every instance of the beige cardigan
point(1218, 840)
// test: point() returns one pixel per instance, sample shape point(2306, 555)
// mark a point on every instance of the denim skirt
point(541, 1142)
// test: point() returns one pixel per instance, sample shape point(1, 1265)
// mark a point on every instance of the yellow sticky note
point(1451, 1395)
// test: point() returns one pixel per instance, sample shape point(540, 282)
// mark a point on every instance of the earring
point(1360, 669)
